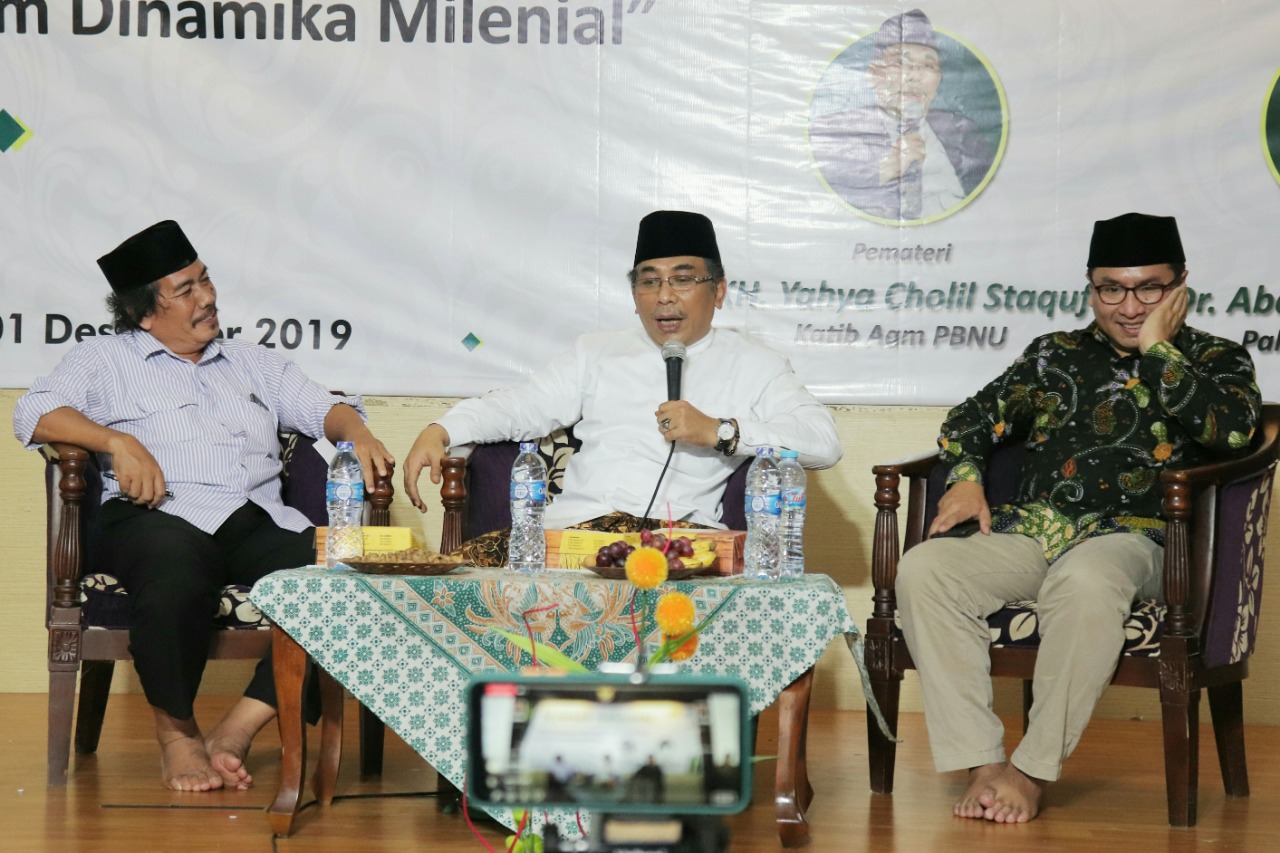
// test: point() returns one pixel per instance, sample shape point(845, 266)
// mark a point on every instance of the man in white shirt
point(737, 395)
point(185, 426)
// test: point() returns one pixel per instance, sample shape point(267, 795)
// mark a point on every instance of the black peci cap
point(147, 256)
point(1135, 240)
point(673, 233)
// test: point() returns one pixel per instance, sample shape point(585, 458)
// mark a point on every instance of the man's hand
point(962, 502)
point(678, 420)
point(343, 423)
point(1164, 322)
point(431, 446)
point(373, 456)
point(137, 472)
point(906, 150)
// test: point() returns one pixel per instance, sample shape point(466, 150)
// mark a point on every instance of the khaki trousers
point(946, 589)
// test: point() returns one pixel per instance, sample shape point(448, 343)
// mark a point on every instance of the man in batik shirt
point(1102, 411)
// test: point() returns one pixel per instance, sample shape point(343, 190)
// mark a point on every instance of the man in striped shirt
point(185, 425)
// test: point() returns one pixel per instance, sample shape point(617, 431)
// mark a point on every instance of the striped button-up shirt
point(211, 425)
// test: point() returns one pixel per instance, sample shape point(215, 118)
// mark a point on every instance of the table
point(405, 647)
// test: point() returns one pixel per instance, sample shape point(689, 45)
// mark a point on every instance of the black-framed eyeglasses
point(1148, 294)
point(678, 283)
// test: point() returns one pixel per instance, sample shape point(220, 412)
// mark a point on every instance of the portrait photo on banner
point(908, 123)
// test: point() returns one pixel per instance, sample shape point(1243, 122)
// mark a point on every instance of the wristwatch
point(727, 436)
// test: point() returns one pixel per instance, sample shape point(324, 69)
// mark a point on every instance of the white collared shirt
point(608, 387)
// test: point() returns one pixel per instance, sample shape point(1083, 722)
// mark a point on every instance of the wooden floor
point(1111, 797)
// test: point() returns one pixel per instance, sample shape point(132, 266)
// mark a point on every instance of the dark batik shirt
point(1100, 426)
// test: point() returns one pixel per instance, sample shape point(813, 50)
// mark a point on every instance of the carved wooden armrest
point(71, 460)
point(1222, 473)
point(380, 497)
point(453, 495)
point(884, 543)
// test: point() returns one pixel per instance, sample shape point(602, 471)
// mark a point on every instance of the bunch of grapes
point(613, 555)
point(616, 553)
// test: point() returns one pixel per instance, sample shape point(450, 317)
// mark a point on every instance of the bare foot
point(227, 752)
point(1015, 797)
point(981, 783)
point(228, 744)
point(184, 763)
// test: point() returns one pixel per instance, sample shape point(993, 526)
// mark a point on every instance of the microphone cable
point(658, 485)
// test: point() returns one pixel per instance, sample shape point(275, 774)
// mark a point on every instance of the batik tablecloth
point(406, 647)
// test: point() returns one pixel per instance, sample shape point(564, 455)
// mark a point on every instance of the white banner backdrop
point(432, 197)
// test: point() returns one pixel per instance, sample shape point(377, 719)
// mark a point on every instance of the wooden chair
point(1200, 636)
point(87, 615)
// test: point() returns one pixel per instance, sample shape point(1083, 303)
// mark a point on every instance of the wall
point(841, 520)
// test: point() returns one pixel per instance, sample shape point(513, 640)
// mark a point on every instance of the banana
point(699, 560)
point(703, 545)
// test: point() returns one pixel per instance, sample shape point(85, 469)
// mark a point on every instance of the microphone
point(673, 355)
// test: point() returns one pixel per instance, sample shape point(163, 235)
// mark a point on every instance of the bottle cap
point(528, 446)
point(790, 454)
point(346, 445)
point(764, 451)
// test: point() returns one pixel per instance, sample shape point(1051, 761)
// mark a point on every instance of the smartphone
point(668, 745)
point(961, 530)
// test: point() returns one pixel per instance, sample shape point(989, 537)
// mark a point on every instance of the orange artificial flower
point(647, 567)
point(1163, 451)
point(685, 651)
point(675, 614)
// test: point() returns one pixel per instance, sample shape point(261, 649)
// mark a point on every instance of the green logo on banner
point(13, 133)
point(1271, 126)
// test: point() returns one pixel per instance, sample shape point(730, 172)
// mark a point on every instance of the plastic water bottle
point(791, 479)
point(528, 500)
point(344, 494)
point(762, 510)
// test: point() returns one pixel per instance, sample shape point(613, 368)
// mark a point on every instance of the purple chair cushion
point(487, 479)
point(305, 474)
point(1232, 621)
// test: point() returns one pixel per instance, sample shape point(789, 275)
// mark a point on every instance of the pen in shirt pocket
point(110, 475)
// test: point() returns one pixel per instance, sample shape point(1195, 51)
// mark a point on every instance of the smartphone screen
point(670, 746)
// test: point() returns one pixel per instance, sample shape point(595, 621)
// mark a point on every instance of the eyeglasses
point(678, 283)
point(1148, 294)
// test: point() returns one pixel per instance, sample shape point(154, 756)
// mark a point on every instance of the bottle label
point(793, 498)
point(768, 504)
point(534, 490)
point(337, 491)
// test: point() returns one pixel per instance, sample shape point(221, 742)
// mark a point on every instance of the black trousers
point(174, 573)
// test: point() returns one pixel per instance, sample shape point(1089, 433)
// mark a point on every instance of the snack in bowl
point(409, 561)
